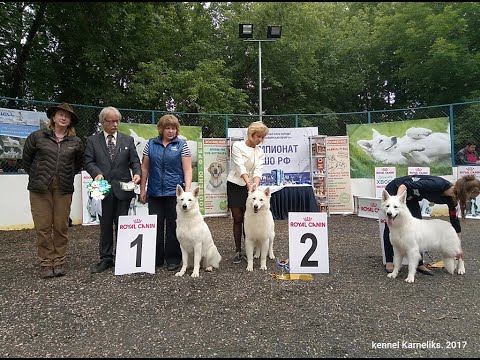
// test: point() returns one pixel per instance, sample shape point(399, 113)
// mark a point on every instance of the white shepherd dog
point(410, 236)
point(193, 234)
point(259, 227)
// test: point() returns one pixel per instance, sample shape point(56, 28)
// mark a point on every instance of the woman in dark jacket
point(52, 157)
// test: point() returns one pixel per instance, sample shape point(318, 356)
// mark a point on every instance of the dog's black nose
point(184, 206)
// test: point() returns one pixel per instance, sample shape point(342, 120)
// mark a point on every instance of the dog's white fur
point(259, 227)
point(216, 181)
point(410, 236)
point(419, 146)
point(194, 236)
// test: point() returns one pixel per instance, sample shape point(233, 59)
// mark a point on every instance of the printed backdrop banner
point(340, 199)
point(383, 175)
point(212, 176)
point(286, 150)
point(15, 126)
point(423, 142)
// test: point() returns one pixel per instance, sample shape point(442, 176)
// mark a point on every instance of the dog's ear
point(267, 191)
point(222, 167)
point(385, 195)
point(403, 196)
point(179, 190)
point(254, 187)
point(365, 144)
point(196, 191)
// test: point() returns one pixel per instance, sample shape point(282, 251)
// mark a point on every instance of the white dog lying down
point(193, 234)
point(419, 146)
point(410, 236)
point(259, 227)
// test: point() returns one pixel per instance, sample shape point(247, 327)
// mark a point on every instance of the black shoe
point(102, 266)
point(46, 272)
point(425, 271)
point(173, 267)
point(59, 270)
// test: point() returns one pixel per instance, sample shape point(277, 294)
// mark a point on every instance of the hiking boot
point(59, 270)
point(46, 272)
point(237, 258)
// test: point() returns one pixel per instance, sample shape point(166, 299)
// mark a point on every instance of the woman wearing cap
point(52, 157)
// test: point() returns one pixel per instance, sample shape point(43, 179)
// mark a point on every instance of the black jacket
point(44, 158)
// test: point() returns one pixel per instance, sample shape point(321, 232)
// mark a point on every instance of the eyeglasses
point(112, 121)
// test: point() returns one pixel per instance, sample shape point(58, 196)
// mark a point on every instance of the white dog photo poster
point(308, 243)
point(421, 142)
point(472, 211)
point(212, 176)
point(136, 244)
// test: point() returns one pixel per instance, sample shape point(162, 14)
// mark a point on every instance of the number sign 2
point(308, 242)
point(136, 244)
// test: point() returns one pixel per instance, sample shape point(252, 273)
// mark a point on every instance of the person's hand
point(136, 178)
point(143, 196)
point(99, 177)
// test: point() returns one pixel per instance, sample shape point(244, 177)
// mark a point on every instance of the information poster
point(212, 176)
point(383, 175)
point(340, 199)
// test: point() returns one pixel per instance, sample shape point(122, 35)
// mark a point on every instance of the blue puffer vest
point(166, 169)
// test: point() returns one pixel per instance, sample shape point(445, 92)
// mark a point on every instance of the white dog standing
point(194, 236)
point(410, 236)
point(259, 227)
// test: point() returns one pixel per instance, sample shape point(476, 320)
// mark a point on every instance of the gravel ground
point(351, 312)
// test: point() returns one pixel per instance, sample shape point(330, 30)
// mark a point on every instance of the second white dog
point(259, 227)
point(410, 236)
point(193, 234)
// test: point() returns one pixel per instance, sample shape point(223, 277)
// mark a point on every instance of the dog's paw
point(180, 273)
point(263, 267)
point(271, 256)
point(461, 271)
point(195, 274)
point(410, 279)
point(257, 255)
point(250, 268)
point(391, 275)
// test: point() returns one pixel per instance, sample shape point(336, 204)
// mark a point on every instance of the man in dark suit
point(111, 156)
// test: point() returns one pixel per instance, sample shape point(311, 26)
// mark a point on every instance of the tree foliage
point(187, 56)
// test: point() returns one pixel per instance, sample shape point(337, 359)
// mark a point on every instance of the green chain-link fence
point(464, 118)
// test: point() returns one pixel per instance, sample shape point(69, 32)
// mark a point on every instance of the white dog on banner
point(419, 146)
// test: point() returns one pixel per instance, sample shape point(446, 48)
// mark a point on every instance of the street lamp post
point(274, 32)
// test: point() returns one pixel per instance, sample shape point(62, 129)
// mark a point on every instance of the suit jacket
point(125, 162)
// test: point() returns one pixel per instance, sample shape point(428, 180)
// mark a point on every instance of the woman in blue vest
point(167, 161)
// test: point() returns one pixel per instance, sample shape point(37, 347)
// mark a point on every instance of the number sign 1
point(308, 242)
point(136, 244)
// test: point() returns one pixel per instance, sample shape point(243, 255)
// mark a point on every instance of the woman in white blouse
point(246, 170)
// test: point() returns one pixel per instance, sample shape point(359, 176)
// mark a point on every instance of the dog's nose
point(255, 207)
point(184, 206)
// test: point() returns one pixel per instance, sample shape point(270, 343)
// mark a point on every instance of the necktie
point(110, 146)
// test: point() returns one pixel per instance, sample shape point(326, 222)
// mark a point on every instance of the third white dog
point(193, 234)
point(410, 236)
point(259, 227)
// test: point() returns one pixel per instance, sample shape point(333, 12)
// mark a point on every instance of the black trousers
point(167, 247)
point(112, 208)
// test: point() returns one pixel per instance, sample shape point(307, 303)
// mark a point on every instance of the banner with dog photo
point(402, 144)
point(212, 176)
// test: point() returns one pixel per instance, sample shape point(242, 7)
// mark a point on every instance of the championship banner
point(340, 199)
point(212, 176)
point(287, 152)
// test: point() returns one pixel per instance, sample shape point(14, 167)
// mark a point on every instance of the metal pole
point(260, 80)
